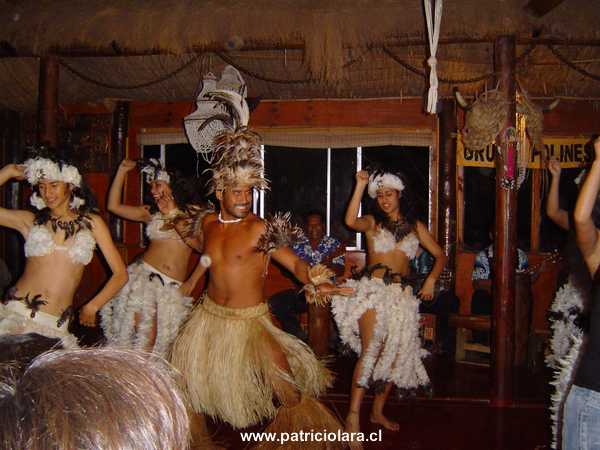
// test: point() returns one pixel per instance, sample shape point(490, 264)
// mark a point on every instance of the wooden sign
point(572, 152)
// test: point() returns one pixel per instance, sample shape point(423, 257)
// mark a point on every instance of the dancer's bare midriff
point(54, 278)
point(169, 256)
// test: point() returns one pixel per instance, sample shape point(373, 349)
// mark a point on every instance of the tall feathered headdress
point(237, 153)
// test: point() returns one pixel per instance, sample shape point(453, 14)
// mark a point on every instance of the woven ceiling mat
point(324, 29)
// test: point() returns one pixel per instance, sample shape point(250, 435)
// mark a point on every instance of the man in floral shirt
point(315, 248)
point(481, 302)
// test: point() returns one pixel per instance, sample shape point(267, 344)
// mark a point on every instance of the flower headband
point(155, 171)
point(384, 180)
point(43, 168)
point(40, 168)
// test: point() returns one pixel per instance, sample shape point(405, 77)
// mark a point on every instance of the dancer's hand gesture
point(362, 177)
point(87, 315)
point(426, 292)
point(554, 168)
point(127, 165)
point(16, 171)
point(187, 288)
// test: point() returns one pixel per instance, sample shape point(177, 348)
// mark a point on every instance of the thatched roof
point(294, 48)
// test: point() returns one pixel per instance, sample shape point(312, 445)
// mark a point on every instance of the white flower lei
point(387, 180)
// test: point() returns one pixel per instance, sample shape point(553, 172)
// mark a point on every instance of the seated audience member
point(314, 249)
point(443, 304)
point(481, 302)
point(105, 399)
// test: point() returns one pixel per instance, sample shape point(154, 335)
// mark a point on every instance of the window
point(304, 179)
point(323, 179)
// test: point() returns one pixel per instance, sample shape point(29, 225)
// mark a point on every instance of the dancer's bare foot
point(384, 422)
point(353, 426)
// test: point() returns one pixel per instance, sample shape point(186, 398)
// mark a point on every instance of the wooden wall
point(568, 119)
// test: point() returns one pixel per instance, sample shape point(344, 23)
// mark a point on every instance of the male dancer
point(234, 360)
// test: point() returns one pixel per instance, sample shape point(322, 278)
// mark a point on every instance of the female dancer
point(147, 312)
point(566, 312)
point(60, 239)
point(380, 322)
point(582, 407)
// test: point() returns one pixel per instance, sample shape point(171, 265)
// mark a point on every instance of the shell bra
point(154, 228)
point(80, 247)
point(384, 241)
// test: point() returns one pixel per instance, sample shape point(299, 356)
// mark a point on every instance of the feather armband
point(318, 275)
point(279, 233)
point(188, 223)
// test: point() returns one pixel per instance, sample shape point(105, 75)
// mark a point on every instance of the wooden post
point(505, 248)
point(447, 187)
point(120, 126)
point(12, 152)
point(318, 329)
point(47, 130)
point(536, 208)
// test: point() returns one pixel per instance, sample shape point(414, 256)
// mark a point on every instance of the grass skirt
point(395, 351)
point(230, 374)
point(15, 318)
point(151, 296)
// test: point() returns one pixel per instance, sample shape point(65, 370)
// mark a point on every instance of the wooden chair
point(465, 322)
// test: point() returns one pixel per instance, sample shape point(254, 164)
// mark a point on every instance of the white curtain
point(313, 137)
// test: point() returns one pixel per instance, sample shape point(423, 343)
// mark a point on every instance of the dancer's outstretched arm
point(115, 204)
point(87, 315)
point(587, 233)
point(428, 243)
point(16, 219)
point(558, 215)
point(360, 224)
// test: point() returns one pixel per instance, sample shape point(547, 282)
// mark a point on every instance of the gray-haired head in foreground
point(105, 399)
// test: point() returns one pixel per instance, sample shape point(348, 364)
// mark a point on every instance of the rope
point(258, 76)
point(421, 73)
point(572, 65)
point(433, 32)
point(129, 86)
point(476, 79)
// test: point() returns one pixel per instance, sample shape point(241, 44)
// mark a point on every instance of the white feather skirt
point(15, 318)
point(149, 299)
point(395, 353)
point(567, 305)
point(564, 348)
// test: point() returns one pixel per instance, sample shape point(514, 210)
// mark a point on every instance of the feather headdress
point(238, 160)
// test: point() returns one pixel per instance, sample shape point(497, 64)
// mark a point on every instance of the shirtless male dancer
point(235, 362)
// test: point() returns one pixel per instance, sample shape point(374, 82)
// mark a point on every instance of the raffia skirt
point(395, 353)
point(149, 297)
point(15, 318)
point(230, 374)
